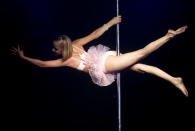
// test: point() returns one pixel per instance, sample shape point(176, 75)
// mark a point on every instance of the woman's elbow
point(47, 64)
point(43, 64)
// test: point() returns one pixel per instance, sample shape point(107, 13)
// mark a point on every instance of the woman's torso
point(75, 60)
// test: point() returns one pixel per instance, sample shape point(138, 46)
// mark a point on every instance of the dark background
point(66, 99)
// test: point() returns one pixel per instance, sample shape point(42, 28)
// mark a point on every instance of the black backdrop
point(64, 98)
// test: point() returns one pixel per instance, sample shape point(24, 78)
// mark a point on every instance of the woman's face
point(57, 47)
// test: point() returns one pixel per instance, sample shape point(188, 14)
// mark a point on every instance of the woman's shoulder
point(78, 47)
point(74, 44)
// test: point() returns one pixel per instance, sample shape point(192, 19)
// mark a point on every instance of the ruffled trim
point(95, 60)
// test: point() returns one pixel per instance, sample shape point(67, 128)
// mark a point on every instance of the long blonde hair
point(66, 47)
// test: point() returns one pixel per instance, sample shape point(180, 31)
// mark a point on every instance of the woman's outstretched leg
point(176, 81)
point(117, 63)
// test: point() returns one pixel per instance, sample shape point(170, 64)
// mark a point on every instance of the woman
point(101, 63)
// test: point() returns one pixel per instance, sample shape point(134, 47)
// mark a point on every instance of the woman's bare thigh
point(118, 63)
point(113, 53)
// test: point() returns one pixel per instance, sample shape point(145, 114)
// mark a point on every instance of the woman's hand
point(18, 51)
point(115, 20)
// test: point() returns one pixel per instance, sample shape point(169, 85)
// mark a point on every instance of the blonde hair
point(66, 47)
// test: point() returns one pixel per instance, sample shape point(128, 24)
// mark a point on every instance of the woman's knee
point(144, 68)
point(138, 67)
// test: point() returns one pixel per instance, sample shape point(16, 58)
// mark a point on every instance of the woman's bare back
point(75, 60)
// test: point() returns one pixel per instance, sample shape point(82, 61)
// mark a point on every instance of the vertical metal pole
point(118, 74)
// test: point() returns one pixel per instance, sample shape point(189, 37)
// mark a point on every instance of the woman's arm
point(98, 32)
point(40, 63)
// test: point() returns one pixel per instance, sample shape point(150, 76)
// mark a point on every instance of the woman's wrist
point(109, 24)
point(106, 26)
point(23, 57)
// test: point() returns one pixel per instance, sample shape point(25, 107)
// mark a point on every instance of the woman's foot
point(178, 82)
point(172, 33)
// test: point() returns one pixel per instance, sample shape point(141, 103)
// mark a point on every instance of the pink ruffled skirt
point(95, 59)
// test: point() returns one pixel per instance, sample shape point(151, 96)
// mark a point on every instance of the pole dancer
point(100, 62)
